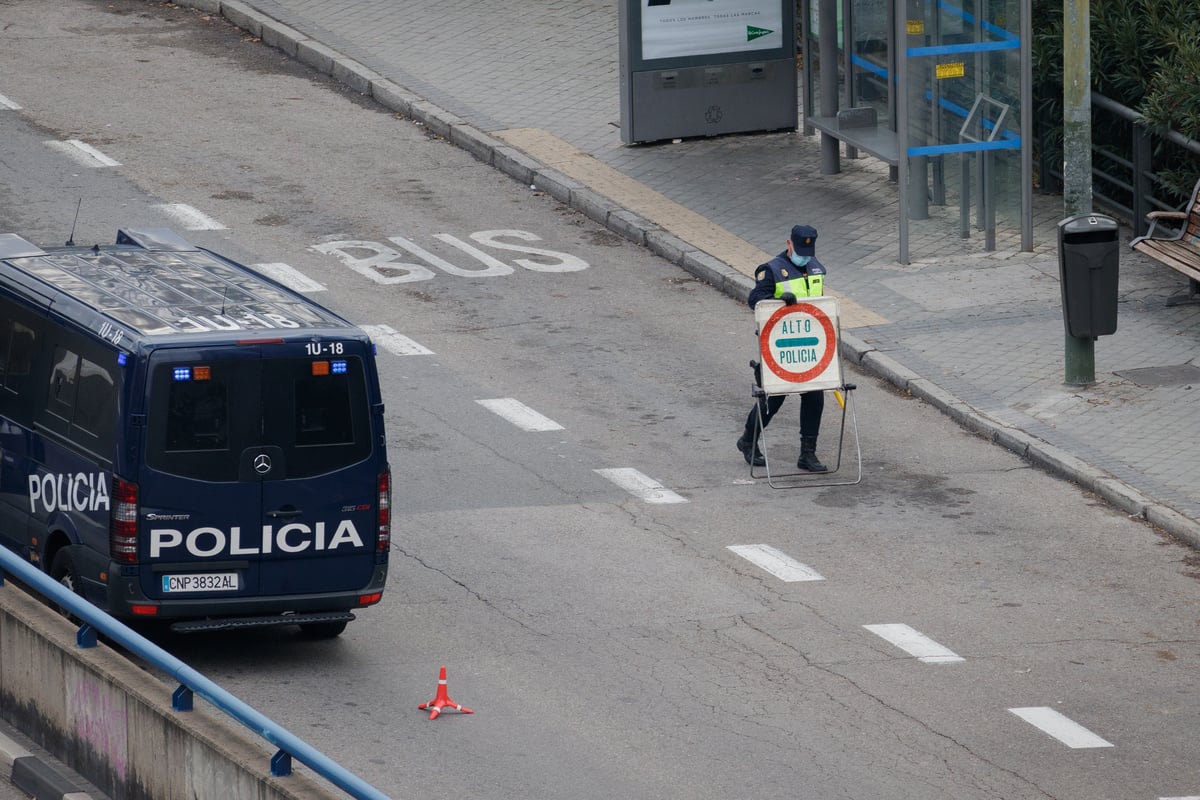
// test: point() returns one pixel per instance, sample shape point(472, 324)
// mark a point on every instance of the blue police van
point(184, 440)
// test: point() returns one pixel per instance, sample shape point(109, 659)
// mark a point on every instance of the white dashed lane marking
point(1067, 731)
point(190, 218)
point(9, 104)
point(779, 564)
point(520, 414)
point(641, 486)
point(914, 643)
point(290, 277)
point(395, 343)
point(83, 153)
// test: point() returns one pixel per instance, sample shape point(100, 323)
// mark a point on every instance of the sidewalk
point(29, 771)
point(533, 90)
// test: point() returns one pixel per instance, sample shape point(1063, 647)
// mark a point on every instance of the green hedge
point(1145, 55)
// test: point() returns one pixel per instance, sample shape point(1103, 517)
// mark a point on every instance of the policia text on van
point(182, 439)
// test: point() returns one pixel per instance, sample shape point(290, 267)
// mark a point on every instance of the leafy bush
point(1146, 55)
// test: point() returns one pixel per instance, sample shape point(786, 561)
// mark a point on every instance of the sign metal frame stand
point(786, 328)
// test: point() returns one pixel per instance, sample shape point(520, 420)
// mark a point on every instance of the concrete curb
point(722, 276)
point(34, 776)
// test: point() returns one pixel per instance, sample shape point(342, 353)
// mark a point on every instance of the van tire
point(64, 571)
point(322, 630)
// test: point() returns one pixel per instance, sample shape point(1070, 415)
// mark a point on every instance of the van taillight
point(383, 530)
point(122, 527)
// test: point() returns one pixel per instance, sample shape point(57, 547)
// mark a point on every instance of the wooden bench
point(1179, 251)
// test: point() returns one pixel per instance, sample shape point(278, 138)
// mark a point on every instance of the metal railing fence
point(1126, 176)
point(190, 681)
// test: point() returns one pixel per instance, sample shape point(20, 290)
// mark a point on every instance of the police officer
point(793, 273)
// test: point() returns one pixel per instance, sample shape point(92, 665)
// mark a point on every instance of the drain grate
point(1178, 375)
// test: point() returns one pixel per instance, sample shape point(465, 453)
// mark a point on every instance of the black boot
point(748, 444)
point(808, 455)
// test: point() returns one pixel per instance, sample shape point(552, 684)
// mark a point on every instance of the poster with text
point(677, 28)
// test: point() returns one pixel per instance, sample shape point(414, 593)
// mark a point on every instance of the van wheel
point(322, 630)
point(63, 570)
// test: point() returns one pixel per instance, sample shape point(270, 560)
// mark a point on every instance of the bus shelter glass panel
point(851, 75)
point(962, 121)
point(870, 58)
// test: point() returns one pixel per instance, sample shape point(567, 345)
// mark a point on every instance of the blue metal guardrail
point(190, 681)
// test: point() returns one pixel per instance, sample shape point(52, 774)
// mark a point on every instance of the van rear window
point(204, 416)
point(323, 411)
point(197, 416)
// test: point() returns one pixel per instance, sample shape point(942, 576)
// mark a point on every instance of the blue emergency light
point(183, 373)
point(337, 367)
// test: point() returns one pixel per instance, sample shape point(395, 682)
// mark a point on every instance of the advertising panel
point(706, 68)
point(683, 28)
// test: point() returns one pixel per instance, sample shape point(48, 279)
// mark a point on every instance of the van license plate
point(208, 582)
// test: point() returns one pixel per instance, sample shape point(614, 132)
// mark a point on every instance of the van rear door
point(321, 500)
point(261, 474)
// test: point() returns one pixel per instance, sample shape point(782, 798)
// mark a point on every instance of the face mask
point(800, 261)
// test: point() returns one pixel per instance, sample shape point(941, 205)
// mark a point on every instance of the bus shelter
point(940, 90)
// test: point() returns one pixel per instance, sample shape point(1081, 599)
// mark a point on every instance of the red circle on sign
point(764, 343)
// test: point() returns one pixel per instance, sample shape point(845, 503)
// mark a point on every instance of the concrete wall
point(112, 722)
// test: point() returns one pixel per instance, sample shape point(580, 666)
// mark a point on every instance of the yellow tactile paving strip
point(679, 220)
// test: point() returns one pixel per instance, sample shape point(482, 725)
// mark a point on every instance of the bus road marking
point(190, 218)
point(384, 264)
point(83, 153)
point(290, 277)
point(915, 643)
point(395, 343)
point(779, 564)
point(9, 104)
point(520, 414)
point(641, 486)
point(1067, 731)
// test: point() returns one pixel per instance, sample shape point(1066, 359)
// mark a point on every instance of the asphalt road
point(610, 646)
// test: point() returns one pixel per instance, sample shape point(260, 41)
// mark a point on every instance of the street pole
point(1080, 353)
point(827, 42)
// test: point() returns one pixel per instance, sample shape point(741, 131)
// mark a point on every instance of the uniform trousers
point(812, 404)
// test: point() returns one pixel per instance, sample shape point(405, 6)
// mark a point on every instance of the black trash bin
point(1088, 258)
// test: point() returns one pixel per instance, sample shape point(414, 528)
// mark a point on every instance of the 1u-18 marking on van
point(187, 440)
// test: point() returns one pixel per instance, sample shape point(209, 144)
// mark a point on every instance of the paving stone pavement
point(979, 334)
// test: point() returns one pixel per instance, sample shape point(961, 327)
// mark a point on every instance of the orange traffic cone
point(442, 699)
